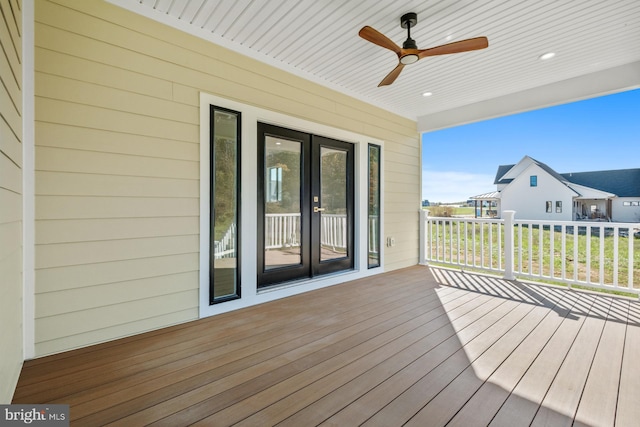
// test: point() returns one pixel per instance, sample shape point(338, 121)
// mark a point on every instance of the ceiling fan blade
point(392, 76)
point(455, 47)
point(376, 37)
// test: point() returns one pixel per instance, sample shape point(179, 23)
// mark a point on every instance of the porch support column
point(509, 217)
point(424, 238)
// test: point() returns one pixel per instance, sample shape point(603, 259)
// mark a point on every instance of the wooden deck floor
point(418, 347)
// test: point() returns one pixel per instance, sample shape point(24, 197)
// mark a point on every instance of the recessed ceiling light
point(547, 55)
point(427, 94)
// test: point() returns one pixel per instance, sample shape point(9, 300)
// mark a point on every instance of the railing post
point(509, 217)
point(423, 236)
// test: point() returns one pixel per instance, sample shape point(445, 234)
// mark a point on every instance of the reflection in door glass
point(333, 189)
point(282, 202)
point(373, 229)
point(224, 205)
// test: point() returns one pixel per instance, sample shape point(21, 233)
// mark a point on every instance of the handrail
point(592, 254)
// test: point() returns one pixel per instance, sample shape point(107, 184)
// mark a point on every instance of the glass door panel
point(332, 222)
point(333, 196)
point(283, 210)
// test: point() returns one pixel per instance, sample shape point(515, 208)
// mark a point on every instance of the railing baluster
point(563, 261)
point(552, 251)
point(540, 249)
point(601, 255)
point(588, 234)
point(630, 258)
point(616, 237)
point(490, 227)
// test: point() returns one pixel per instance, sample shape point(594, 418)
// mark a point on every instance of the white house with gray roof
point(536, 191)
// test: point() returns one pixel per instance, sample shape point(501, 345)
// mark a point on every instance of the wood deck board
point(484, 404)
point(628, 410)
point(422, 346)
point(326, 397)
point(228, 373)
point(295, 393)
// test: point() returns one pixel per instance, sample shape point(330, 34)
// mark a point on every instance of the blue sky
point(596, 134)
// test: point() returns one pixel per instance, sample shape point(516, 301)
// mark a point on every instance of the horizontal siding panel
point(186, 94)
point(11, 42)
point(62, 136)
point(9, 113)
point(86, 230)
point(401, 193)
point(83, 70)
point(98, 318)
point(409, 169)
point(401, 207)
point(404, 147)
point(77, 276)
point(12, 17)
point(79, 161)
point(65, 89)
point(10, 206)
point(65, 254)
point(397, 178)
point(9, 144)
point(72, 207)
point(10, 175)
point(11, 238)
point(76, 184)
point(87, 298)
point(11, 274)
point(9, 81)
point(56, 111)
point(114, 332)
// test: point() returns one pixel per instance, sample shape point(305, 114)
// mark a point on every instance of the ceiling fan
point(409, 53)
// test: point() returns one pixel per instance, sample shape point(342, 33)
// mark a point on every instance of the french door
point(305, 205)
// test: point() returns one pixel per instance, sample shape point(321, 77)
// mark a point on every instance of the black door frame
point(310, 265)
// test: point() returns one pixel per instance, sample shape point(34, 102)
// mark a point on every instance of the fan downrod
point(407, 21)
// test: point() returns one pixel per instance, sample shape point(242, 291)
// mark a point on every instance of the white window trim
point(250, 116)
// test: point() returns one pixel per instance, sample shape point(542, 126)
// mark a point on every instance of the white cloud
point(453, 186)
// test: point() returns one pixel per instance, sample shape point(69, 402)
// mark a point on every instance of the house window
point(558, 207)
point(549, 206)
point(626, 203)
point(274, 185)
point(533, 181)
point(224, 279)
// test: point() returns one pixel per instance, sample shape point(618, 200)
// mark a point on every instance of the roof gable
point(507, 173)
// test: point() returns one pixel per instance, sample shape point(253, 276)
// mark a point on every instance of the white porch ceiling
point(597, 46)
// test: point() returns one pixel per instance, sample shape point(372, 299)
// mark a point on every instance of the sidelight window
point(224, 280)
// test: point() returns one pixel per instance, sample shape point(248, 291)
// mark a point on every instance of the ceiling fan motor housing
point(409, 19)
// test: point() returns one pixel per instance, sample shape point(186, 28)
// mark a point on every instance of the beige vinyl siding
point(11, 355)
point(117, 166)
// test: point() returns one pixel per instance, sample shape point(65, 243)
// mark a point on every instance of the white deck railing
point(283, 230)
point(593, 254)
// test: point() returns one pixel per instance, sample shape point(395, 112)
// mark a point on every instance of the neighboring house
point(535, 191)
